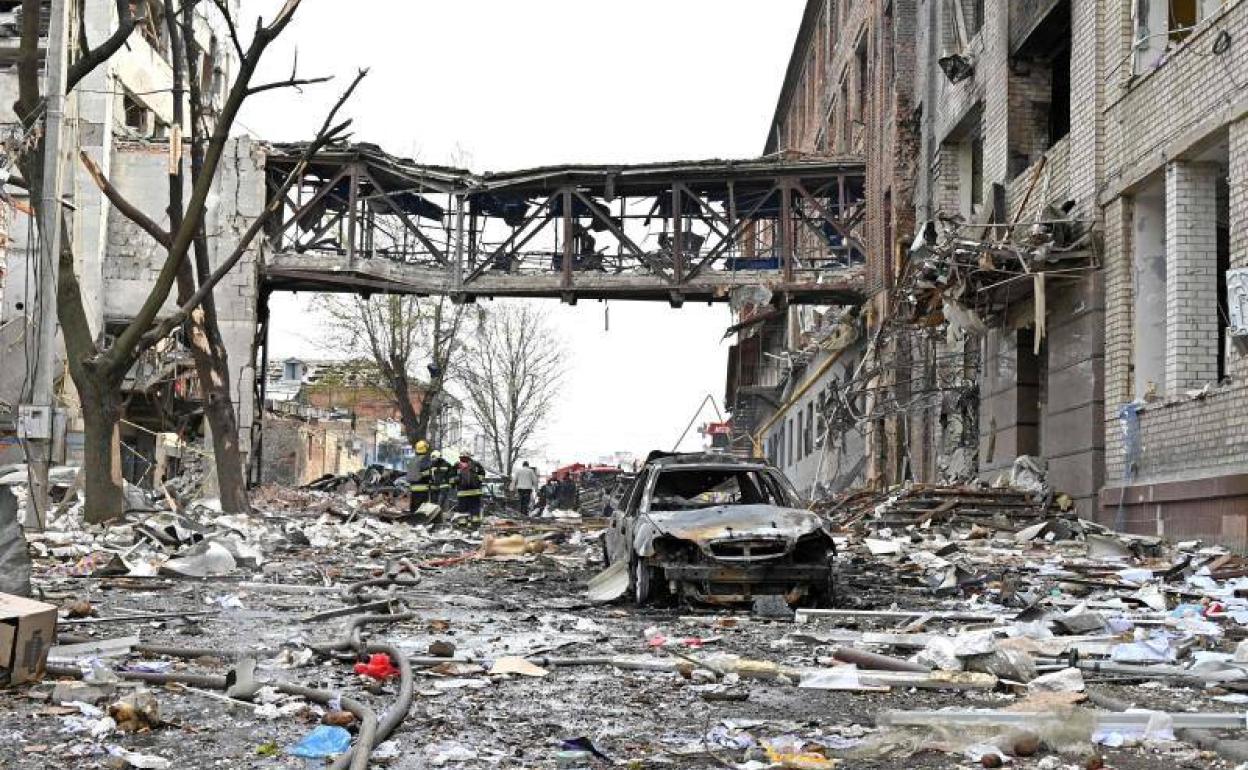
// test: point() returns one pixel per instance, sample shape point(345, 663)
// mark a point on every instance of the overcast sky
point(500, 84)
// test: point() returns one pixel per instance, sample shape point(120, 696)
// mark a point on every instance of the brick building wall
point(1176, 128)
point(848, 93)
point(1033, 60)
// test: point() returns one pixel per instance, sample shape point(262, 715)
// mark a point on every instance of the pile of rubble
point(973, 625)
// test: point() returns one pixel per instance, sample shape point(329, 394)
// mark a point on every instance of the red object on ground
point(378, 667)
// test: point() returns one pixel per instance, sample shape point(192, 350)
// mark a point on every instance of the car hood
point(723, 521)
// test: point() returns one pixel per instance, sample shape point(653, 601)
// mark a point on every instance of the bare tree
point(400, 334)
point(513, 370)
point(98, 370)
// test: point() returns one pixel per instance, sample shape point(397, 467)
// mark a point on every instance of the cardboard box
point(27, 631)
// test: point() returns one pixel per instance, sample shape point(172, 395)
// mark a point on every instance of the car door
point(620, 533)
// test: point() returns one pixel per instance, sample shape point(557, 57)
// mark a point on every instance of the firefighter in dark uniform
point(442, 476)
point(469, 479)
point(419, 477)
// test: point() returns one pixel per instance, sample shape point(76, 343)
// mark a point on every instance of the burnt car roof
point(702, 459)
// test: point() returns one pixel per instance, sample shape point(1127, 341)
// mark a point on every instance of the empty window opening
point(1059, 93)
point(136, 115)
point(863, 79)
point(1148, 283)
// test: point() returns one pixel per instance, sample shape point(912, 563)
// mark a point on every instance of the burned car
point(715, 529)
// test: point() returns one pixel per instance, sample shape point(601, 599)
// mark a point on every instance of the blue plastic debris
point(324, 741)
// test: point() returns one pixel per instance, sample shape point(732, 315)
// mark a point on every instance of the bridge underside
point(364, 222)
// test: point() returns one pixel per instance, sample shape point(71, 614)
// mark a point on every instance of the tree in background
point(403, 334)
point(513, 367)
point(98, 369)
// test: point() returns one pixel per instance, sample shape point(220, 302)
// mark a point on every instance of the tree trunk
point(101, 449)
point(413, 426)
point(213, 365)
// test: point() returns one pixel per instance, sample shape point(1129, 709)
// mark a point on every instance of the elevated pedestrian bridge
point(362, 221)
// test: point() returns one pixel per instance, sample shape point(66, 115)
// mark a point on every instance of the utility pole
point(36, 423)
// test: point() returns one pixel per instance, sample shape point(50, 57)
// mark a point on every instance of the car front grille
point(748, 549)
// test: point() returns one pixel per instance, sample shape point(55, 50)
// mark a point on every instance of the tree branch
point(94, 57)
point(120, 356)
point(127, 209)
point(229, 24)
point(325, 136)
point(295, 83)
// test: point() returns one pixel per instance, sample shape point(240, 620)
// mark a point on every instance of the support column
point(1191, 280)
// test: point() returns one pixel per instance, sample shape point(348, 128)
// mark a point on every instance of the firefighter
point(442, 476)
point(469, 478)
point(419, 477)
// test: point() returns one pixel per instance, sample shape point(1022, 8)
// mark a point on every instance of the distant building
point(351, 396)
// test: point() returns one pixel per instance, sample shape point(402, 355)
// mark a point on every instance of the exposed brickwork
point(835, 106)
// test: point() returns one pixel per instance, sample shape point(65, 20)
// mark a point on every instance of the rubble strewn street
point(978, 631)
point(842, 385)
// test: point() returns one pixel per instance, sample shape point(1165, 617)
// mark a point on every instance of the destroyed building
point(336, 417)
point(1052, 255)
point(122, 115)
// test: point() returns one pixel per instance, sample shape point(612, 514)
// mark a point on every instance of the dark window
point(863, 79)
point(1184, 14)
point(977, 171)
point(977, 16)
point(136, 114)
point(810, 428)
point(1059, 105)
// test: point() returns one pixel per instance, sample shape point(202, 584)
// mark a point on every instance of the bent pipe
point(351, 637)
point(351, 593)
point(397, 712)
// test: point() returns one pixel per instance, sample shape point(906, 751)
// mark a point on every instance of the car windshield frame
point(773, 486)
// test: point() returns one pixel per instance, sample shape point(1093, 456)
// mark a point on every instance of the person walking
point(419, 477)
point(525, 483)
point(469, 480)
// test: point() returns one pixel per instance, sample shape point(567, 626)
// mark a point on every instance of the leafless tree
point(98, 370)
point(513, 370)
point(401, 334)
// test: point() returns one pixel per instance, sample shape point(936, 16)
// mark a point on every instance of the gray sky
point(499, 84)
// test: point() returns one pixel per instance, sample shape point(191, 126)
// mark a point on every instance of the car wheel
point(641, 582)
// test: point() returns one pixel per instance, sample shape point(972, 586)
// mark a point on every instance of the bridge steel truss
point(363, 221)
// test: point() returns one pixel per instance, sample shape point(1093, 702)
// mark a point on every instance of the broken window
point(1040, 89)
point(1160, 24)
point(801, 434)
point(1179, 232)
point(693, 488)
point(863, 79)
point(810, 428)
point(1184, 15)
point(1059, 96)
point(846, 138)
point(975, 178)
point(136, 115)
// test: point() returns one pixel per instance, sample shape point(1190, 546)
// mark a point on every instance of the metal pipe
point(872, 660)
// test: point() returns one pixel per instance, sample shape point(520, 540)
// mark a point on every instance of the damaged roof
point(607, 180)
